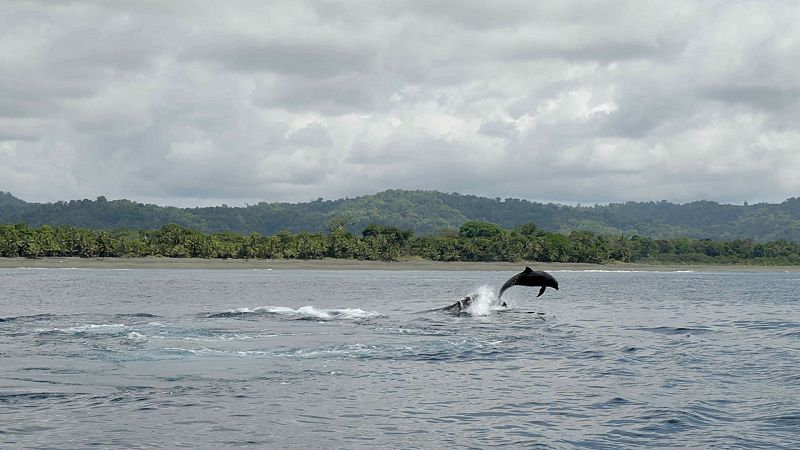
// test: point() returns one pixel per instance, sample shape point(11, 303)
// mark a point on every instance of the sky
point(192, 103)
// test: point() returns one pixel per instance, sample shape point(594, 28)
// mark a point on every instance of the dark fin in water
point(527, 270)
point(541, 291)
point(458, 306)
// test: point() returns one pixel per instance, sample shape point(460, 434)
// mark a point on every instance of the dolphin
point(530, 277)
point(462, 305)
point(527, 277)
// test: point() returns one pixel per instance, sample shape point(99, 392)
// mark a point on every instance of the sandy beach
point(341, 264)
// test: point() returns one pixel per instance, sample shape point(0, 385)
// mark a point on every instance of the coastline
point(349, 264)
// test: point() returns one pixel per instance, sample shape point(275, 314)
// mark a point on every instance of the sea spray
point(485, 301)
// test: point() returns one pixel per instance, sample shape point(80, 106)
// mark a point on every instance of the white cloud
point(202, 102)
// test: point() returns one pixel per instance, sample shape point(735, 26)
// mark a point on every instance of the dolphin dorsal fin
point(527, 270)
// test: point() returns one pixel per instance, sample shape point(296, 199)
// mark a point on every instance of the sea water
point(358, 359)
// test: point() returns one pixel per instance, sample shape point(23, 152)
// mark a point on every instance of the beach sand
point(346, 264)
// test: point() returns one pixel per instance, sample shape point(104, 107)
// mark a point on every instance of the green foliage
point(476, 241)
point(426, 213)
point(474, 229)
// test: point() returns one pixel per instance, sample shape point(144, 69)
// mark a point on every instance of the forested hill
point(426, 212)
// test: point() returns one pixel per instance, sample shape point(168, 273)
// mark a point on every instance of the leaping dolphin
point(530, 277)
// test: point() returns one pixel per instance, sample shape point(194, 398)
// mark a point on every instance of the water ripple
point(350, 362)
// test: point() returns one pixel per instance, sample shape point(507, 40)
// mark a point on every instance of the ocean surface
point(357, 359)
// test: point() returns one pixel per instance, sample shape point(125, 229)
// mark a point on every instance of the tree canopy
point(427, 213)
point(478, 241)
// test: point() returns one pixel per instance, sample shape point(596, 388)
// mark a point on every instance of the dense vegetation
point(427, 213)
point(474, 241)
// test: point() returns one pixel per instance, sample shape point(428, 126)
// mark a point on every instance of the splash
point(135, 336)
point(485, 301)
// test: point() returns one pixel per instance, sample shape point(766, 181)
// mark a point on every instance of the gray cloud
point(206, 102)
point(765, 97)
point(329, 96)
point(313, 59)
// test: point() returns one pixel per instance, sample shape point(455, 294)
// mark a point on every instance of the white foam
point(355, 313)
point(93, 326)
point(221, 337)
point(351, 350)
point(485, 301)
point(97, 328)
point(201, 351)
point(134, 336)
point(311, 311)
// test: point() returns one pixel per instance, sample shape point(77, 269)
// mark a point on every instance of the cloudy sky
point(204, 102)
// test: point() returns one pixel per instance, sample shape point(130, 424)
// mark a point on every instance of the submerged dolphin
point(462, 305)
point(530, 277)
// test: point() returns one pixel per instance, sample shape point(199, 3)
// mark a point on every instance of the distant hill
point(426, 212)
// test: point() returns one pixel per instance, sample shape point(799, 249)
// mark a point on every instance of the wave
point(27, 397)
point(93, 328)
point(137, 315)
point(304, 312)
point(676, 330)
point(53, 317)
point(617, 271)
point(96, 326)
point(31, 317)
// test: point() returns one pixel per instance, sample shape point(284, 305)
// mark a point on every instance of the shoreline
point(348, 264)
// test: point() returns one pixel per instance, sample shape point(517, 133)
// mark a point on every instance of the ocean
point(152, 358)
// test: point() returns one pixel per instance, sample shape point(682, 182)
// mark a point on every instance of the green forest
point(426, 213)
point(473, 241)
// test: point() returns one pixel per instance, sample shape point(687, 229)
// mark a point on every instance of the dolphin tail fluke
point(541, 291)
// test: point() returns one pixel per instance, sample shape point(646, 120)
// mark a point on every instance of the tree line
point(426, 213)
point(473, 241)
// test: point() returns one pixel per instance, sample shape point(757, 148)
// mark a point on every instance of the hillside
point(426, 212)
